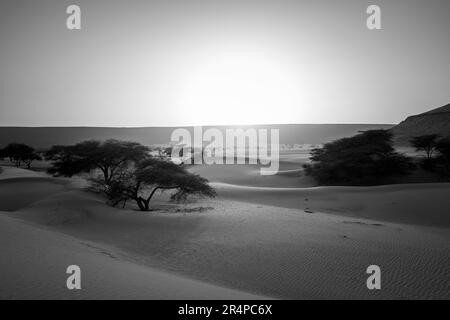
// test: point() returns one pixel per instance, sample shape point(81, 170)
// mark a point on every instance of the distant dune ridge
point(44, 137)
point(433, 121)
point(436, 121)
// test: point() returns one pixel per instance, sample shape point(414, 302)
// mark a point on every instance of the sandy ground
point(289, 175)
point(34, 262)
point(292, 251)
point(419, 204)
point(14, 173)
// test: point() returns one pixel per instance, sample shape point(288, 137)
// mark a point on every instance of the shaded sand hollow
point(226, 247)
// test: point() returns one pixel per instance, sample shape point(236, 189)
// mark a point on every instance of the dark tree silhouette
point(2, 154)
point(363, 159)
point(443, 147)
point(108, 157)
point(443, 159)
point(426, 143)
point(19, 153)
point(143, 181)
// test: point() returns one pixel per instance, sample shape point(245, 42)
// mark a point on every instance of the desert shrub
point(364, 159)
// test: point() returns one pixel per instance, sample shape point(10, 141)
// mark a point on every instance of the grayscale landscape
point(91, 176)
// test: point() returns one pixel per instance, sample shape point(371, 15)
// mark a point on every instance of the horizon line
point(192, 126)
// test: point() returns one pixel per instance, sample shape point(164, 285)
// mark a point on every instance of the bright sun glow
point(239, 88)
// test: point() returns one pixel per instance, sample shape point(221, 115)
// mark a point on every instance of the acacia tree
point(359, 160)
point(19, 153)
point(426, 143)
point(108, 157)
point(150, 175)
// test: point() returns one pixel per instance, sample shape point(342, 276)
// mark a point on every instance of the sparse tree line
point(120, 170)
point(370, 158)
point(125, 171)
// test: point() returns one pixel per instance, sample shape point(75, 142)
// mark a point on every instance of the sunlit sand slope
point(246, 247)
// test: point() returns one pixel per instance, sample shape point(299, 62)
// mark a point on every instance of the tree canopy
point(359, 160)
point(19, 153)
point(128, 171)
point(85, 156)
point(141, 182)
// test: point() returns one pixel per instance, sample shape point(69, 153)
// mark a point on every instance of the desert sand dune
point(269, 251)
point(247, 247)
point(37, 260)
point(13, 172)
point(290, 175)
point(31, 190)
point(20, 187)
point(421, 204)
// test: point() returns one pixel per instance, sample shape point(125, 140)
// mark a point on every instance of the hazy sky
point(189, 62)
